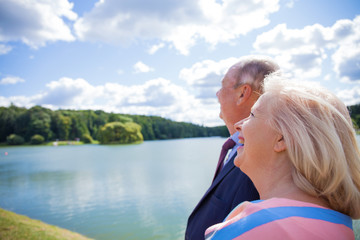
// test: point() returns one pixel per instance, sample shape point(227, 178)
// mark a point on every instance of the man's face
point(227, 95)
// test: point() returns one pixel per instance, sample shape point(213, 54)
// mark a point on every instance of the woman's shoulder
point(285, 218)
point(281, 208)
point(248, 208)
point(282, 202)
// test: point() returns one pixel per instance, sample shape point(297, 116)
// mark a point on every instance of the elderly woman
point(300, 151)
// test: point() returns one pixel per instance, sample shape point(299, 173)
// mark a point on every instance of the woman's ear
point(280, 145)
point(244, 93)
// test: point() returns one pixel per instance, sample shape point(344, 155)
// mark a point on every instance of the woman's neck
point(277, 182)
point(284, 187)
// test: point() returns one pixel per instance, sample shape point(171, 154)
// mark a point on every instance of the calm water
point(141, 191)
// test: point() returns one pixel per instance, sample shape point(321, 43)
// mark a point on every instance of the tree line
point(38, 124)
point(355, 115)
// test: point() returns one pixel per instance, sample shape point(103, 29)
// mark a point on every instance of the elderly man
point(241, 87)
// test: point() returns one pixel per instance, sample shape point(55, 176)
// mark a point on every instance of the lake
point(143, 191)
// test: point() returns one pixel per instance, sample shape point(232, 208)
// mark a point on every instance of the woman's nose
point(238, 125)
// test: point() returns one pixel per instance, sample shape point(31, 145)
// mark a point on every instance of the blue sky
point(167, 57)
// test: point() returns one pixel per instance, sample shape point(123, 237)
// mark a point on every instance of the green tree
point(40, 123)
point(37, 139)
point(14, 139)
point(8, 121)
point(355, 115)
point(22, 123)
point(119, 118)
point(120, 133)
point(63, 124)
point(71, 124)
point(86, 138)
point(78, 127)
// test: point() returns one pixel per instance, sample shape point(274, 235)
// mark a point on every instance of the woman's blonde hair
point(320, 139)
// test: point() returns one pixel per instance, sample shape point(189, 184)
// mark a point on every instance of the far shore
point(64, 143)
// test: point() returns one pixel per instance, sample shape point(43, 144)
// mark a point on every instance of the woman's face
point(258, 138)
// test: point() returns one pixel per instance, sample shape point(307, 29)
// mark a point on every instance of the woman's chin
point(237, 162)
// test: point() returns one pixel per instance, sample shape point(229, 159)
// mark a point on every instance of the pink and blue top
point(280, 218)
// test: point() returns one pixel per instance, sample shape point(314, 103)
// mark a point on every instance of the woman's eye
point(251, 114)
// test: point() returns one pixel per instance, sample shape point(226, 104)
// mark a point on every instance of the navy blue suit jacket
point(229, 189)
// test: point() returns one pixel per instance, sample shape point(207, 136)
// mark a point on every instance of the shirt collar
point(235, 137)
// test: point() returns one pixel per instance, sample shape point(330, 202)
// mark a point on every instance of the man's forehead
point(232, 72)
point(231, 75)
point(228, 79)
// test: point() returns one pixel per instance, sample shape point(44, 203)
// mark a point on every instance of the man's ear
point(244, 93)
point(280, 145)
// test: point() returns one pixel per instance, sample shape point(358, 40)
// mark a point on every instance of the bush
point(37, 139)
point(86, 138)
point(120, 133)
point(14, 139)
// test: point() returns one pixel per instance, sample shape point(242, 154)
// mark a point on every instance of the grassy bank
point(63, 143)
point(15, 227)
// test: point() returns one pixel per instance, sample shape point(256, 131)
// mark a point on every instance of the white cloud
point(36, 22)
point(304, 64)
point(302, 51)
point(69, 92)
point(346, 59)
point(297, 51)
point(11, 80)
point(4, 49)
point(22, 101)
point(158, 97)
point(205, 77)
point(290, 3)
point(141, 67)
point(281, 38)
point(327, 77)
point(198, 73)
point(178, 23)
point(347, 62)
point(155, 48)
point(350, 96)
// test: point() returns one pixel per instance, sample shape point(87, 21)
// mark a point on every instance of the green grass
point(51, 143)
point(62, 143)
point(17, 227)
